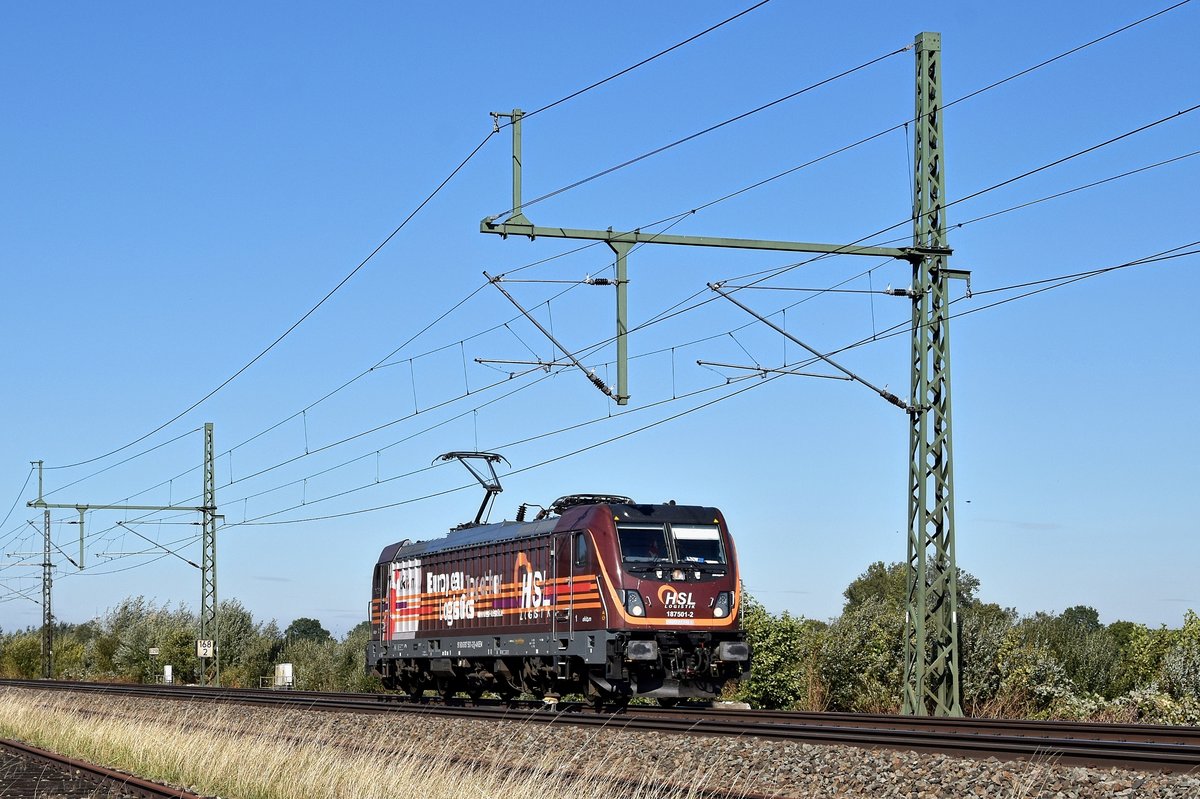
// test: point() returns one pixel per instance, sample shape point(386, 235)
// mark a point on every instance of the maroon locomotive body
point(602, 597)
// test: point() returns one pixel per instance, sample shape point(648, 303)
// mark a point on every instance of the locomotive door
point(404, 600)
point(562, 617)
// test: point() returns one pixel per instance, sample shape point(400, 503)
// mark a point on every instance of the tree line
point(117, 646)
point(1063, 666)
point(1067, 665)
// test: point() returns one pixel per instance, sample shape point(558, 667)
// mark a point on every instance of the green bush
point(782, 649)
point(861, 662)
point(1181, 664)
point(21, 655)
point(981, 636)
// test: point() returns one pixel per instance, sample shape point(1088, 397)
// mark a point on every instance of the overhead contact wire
point(643, 62)
point(703, 132)
point(663, 316)
point(299, 321)
point(956, 101)
point(471, 155)
point(1042, 64)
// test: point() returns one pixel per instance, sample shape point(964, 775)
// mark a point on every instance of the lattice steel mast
point(208, 565)
point(931, 654)
point(47, 615)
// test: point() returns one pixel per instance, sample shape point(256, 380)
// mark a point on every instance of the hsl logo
point(674, 598)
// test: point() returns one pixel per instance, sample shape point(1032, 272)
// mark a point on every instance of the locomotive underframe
point(600, 664)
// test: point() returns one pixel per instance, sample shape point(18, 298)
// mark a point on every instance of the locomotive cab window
point(646, 543)
point(581, 549)
point(379, 588)
point(699, 543)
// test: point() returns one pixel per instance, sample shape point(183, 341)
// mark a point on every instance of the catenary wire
point(993, 85)
point(774, 271)
point(258, 521)
point(1075, 49)
point(904, 326)
point(895, 330)
point(415, 211)
point(1063, 280)
point(588, 350)
point(382, 363)
point(969, 95)
point(953, 102)
point(1070, 52)
point(643, 62)
point(705, 131)
point(374, 451)
point(1160, 12)
point(20, 494)
point(764, 181)
point(957, 225)
point(987, 189)
point(122, 462)
point(299, 321)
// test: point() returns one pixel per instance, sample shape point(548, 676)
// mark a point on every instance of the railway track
point(35, 781)
point(1145, 747)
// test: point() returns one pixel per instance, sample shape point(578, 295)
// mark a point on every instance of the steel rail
point(1153, 747)
point(1162, 733)
point(90, 772)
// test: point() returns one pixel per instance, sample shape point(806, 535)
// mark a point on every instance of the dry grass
point(201, 747)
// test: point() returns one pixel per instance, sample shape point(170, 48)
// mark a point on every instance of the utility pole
point(931, 638)
point(47, 615)
point(207, 649)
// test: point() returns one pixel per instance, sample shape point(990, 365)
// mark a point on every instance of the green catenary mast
point(931, 659)
point(931, 656)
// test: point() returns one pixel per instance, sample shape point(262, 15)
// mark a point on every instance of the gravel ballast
point(747, 764)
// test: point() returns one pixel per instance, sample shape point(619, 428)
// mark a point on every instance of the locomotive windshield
point(644, 543)
point(700, 543)
point(686, 543)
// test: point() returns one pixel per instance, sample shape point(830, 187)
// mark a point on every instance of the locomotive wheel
point(602, 700)
point(615, 703)
point(505, 688)
point(445, 689)
point(535, 677)
point(668, 701)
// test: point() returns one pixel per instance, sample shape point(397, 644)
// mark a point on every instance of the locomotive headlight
point(634, 603)
point(721, 608)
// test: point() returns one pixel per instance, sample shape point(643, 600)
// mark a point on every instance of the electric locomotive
point(598, 595)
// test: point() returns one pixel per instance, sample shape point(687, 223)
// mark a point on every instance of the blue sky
point(183, 183)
